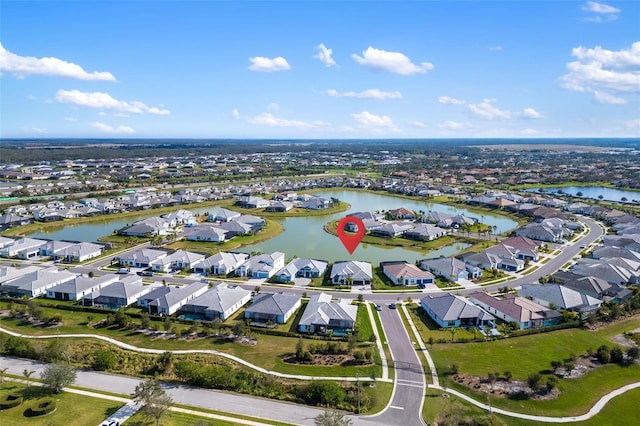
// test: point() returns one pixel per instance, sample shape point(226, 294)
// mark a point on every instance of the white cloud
point(70, 119)
point(270, 120)
point(104, 100)
point(367, 119)
point(262, 64)
point(452, 125)
point(273, 106)
point(530, 113)
point(608, 98)
point(602, 70)
point(495, 48)
point(235, 113)
point(450, 101)
point(394, 62)
point(418, 124)
point(31, 97)
point(105, 128)
point(22, 66)
point(324, 55)
point(632, 124)
point(366, 94)
point(605, 12)
point(485, 109)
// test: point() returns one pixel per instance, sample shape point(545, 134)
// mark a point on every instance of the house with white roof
point(24, 248)
point(451, 268)
point(221, 301)
point(262, 265)
point(167, 300)
point(80, 286)
point(404, 273)
point(208, 233)
point(36, 282)
point(322, 315)
point(142, 258)
point(302, 268)
point(352, 272)
point(220, 214)
point(177, 260)
point(221, 263)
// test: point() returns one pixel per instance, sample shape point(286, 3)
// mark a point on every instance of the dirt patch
point(326, 360)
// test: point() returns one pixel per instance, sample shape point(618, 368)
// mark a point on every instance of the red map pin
point(350, 241)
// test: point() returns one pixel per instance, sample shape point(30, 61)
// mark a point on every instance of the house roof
point(519, 308)
point(354, 269)
point(273, 303)
point(80, 284)
point(406, 270)
point(40, 278)
point(321, 310)
point(296, 264)
point(451, 307)
point(221, 297)
point(176, 294)
point(563, 297)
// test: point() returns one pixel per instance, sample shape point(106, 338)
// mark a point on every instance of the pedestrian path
point(123, 414)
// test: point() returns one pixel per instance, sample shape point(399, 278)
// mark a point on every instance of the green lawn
point(71, 409)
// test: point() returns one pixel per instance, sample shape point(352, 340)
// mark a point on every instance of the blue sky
point(305, 69)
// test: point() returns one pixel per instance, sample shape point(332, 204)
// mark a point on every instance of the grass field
point(72, 409)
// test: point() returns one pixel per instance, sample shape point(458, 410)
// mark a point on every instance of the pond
point(305, 236)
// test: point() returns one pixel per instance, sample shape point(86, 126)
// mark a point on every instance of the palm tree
point(2, 373)
point(27, 373)
point(475, 331)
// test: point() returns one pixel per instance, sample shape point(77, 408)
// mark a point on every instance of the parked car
point(392, 306)
point(378, 308)
point(145, 273)
point(123, 271)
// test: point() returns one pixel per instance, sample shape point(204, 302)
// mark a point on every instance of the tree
point(533, 381)
point(633, 353)
point(56, 376)
point(27, 374)
point(104, 359)
point(2, 373)
point(153, 400)
point(331, 418)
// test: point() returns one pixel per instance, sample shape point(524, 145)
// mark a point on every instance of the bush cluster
point(10, 401)
point(43, 407)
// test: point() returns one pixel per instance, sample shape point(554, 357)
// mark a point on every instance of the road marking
point(397, 408)
point(412, 386)
point(409, 381)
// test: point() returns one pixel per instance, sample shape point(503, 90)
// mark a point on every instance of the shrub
point(617, 355)
point(104, 359)
point(603, 354)
point(10, 401)
point(42, 407)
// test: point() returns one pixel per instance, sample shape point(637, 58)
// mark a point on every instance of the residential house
point(451, 268)
point(450, 311)
point(35, 283)
point(6, 242)
point(317, 203)
point(613, 274)
point(142, 258)
point(519, 310)
point(235, 228)
point(272, 308)
point(147, 227)
point(401, 214)
point(560, 297)
point(543, 232)
point(221, 301)
point(207, 233)
point(302, 268)
point(425, 232)
point(279, 206)
point(167, 300)
point(262, 265)
point(404, 273)
point(220, 214)
point(24, 248)
point(351, 273)
point(393, 229)
point(178, 260)
point(526, 248)
point(8, 273)
point(251, 202)
point(181, 217)
point(322, 316)
point(11, 220)
point(74, 252)
point(255, 222)
point(221, 263)
point(119, 294)
point(79, 287)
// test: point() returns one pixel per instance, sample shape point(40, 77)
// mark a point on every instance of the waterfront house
point(322, 315)
point(404, 273)
point(352, 272)
point(167, 300)
point(118, 294)
point(262, 265)
point(220, 214)
point(302, 268)
point(24, 248)
point(221, 263)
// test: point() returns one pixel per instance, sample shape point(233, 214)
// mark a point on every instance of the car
point(392, 306)
point(123, 271)
point(145, 273)
point(583, 246)
point(378, 308)
point(421, 286)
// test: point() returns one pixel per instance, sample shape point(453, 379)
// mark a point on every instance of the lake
point(305, 236)
point(593, 192)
